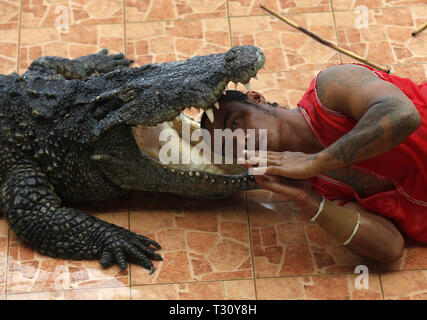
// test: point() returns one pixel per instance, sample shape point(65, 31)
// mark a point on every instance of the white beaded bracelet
point(354, 231)
point(319, 211)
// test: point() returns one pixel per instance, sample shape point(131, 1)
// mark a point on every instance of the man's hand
point(297, 165)
point(298, 191)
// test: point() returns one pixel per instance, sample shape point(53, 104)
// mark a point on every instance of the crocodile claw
point(149, 241)
point(151, 271)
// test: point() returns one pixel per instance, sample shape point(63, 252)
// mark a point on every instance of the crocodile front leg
point(79, 68)
point(34, 213)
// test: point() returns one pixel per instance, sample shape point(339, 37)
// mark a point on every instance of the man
point(359, 137)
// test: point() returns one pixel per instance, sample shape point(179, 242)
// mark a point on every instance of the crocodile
point(86, 129)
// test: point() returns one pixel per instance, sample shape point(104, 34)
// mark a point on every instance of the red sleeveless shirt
point(405, 165)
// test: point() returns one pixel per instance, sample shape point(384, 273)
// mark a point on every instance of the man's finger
point(254, 161)
point(248, 154)
point(266, 182)
point(263, 162)
point(272, 162)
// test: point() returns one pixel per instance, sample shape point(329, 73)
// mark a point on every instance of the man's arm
point(373, 237)
point(386, 116)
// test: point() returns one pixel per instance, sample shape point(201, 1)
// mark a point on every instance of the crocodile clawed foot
point(125, 246)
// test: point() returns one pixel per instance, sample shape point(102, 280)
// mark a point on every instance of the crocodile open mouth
point(171, 90)
point(150, 144)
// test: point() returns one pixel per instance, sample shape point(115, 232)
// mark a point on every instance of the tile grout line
point(63, 290)
point(251, 247)
point(128, 195)
point(229, 23)
point(381, 281)
point(124, 37)
point(129, 287)
point(257, 278)
point(19, 37)
point(130, 264)
point(335, 28)
point(8, 229)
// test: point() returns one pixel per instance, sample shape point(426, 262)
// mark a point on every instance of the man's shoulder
point(345, 75)
point(336, 84)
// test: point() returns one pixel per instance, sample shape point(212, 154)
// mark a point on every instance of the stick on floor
point(424, 26)
point(325, 42)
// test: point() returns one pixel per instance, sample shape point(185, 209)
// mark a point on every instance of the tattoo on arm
point(385, 125)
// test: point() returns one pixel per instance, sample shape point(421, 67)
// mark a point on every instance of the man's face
point(242, 115)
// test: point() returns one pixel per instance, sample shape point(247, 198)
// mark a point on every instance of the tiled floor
point(255, 245)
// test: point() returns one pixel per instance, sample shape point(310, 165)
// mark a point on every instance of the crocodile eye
point(234, 123)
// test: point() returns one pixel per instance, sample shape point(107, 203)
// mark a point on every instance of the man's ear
point(256, 97)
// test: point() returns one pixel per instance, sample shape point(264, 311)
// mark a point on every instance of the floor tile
point(29, 271)
point(414, 257)
point(83, 294)
point(371, 4)
point(8, 50)
point(9, 18)
point(79, 41)
point(153, 10)
point(405, 284)
point(217, 290)
point(331, 287)
point(47, 13)
point(248, 7)
point(415, 72)
point(339, 5)
point(261, 196)
point(387, 38)
point(176, 40)
point(197, 244)
point(4, 231)
point(285, 47)
point(286, 243)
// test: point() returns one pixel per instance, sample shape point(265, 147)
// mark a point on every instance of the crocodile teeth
point(209, 113)
point(216, 104)
point(256, 77)
point(248, 87)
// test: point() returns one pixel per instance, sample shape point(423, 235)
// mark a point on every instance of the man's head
point(245, 111)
